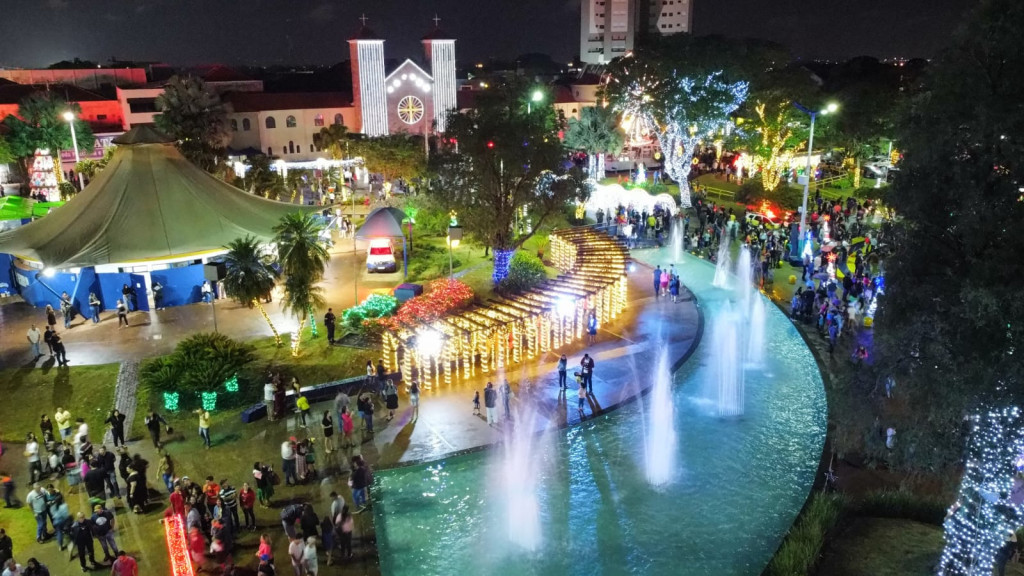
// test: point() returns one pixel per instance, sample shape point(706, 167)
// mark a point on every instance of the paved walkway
point(446, 424)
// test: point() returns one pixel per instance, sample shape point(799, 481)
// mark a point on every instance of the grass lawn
point(86, 391)
point(883, 547)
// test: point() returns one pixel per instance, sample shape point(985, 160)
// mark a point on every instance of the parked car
point(380, 256)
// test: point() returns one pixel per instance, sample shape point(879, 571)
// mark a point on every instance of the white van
point(380, 256)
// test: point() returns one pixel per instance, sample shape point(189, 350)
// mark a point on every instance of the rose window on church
point(410, 109)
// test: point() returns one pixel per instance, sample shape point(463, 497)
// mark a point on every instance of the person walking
point(343, 527)
point(103, 529)
point(365, 405)
point(59, 351)
point(122, 314)
point(657, 281)
point(288, 462)
point(592, 327)
point(116, 422)
point(264, 484)
point(327, 428)
point(204, 427)
point(587, 370)
point(247, 499)
point(60, 516)
point(329, 321)
point(95, 305)
point(390, 398)
point(309, 558)
point(35, 466)
point(491, 404)
point(414, 399)
point(296, 551)
point(65, 310)
point(268, 398)
point(562, 367)
point(341, 402)
point(126, 294)
point(506, 398)
point(360, 482)
point(155, 423)
point(108, 462)
point(124, 565)
point(582, 397)
point(673, 288)
point(36, 501)
point(48, 339)
point(34, 338)
point(302, 403)
point(229, 496)
point(371, 374)
point(476, 403)
point(51, 316)
point(82, 540)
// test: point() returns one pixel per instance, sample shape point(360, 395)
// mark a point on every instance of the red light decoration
point(442, 296)
point(177, 546)
point(832, 257)
point(490, 144)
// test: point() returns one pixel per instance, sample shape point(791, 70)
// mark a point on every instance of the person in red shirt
point(247, 497)
point(212, 491)
point(178, 501)
point(124, 565)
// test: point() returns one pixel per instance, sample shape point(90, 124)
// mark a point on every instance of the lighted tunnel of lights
point(502, 332)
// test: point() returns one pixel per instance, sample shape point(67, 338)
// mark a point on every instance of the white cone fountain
point(723, 267)
point(520, 472)
point(660, 441)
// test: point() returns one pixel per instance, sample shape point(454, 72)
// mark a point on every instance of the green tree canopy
point(335, 140)
point(508, 166)
point(951, 323)
point(192, 114)
point(40, 123)
point(597, 133)
point(392, 156)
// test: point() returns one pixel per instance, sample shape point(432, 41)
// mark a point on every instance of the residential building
point(611, 28)
point(285, 125)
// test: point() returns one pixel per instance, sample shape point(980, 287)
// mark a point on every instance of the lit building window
point(290, 122)
point(318, 120)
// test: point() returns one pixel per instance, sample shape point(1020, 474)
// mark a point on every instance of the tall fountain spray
point(722, 267)
point(745, 280)
point(725, 388)
point(660, 441)
point(677, 241)
point(519, 474)
point(755, 331)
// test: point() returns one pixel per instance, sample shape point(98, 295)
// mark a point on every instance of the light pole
point(454, 237)
point(537, 97)
point(795, 247)
point(70, 117)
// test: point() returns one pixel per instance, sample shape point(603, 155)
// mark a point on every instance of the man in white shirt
point(34, 337)
point(288, 462)
point(35, 468)
point(268, 399)
point(12, 568)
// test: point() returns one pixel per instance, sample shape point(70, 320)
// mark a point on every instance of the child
point(476, 403)
point(582, 393)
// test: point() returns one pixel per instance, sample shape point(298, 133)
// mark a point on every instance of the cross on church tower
point(437, 21)
point(364, 19)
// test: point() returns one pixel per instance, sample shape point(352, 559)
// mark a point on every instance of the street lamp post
point(454, 237)
point(795, 247)
point(537, 97)
point(70, 117)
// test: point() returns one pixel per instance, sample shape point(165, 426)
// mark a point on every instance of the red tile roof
point(262, 101)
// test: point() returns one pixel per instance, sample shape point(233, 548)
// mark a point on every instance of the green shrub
point(901, 504)
point(525, 271)
point(375, 306)
point(802, 546)
point(750, 191)
point(200, 363)
point(67, 190)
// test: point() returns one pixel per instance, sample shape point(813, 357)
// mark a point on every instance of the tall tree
point(303, 260)
point(684, 97)
point(952, 320)
point(335, 140)
point(508, 166)
point(596, 133)
point(40, 123)
point(260, 179)
point(250, 276)
point(192, 114)
point(393, 156)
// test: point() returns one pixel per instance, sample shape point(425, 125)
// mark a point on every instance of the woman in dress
point(391, 398)
point(414, 399)
point(51, 316)
point(301, 449)
point(327, 423)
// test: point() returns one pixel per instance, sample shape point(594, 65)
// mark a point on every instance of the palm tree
point(334, 139)
point(596, 133)
point(303, 260)
point(250, 276)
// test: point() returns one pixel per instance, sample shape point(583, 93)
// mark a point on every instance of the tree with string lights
point(685, 103)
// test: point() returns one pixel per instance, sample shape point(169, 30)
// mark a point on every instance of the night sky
point(35, 33)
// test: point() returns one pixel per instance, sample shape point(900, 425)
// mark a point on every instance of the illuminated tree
point(334, 139)
point(250, 276)
point(984, 516)
point(685, 106)
point(508, 173)
point(393, 156)
point(193, 115)
point(596, 133)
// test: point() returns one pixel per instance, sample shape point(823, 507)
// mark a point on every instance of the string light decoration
point(502, 258)
point(375, 306)
point(209, 401)
point(177, 546)
point(312, 323)
point(171, 400)
point(984, 516)
point(232, 384)
point(504, 331)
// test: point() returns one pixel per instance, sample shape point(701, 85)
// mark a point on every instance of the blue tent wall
point(181, 285)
